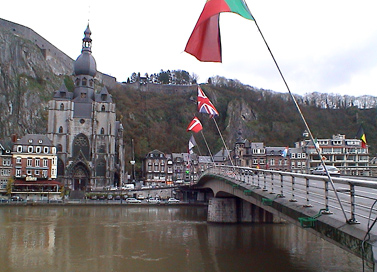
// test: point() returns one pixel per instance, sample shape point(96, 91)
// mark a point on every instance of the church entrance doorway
point(81, 178)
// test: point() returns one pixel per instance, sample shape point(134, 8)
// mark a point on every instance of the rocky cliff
point(27, 82)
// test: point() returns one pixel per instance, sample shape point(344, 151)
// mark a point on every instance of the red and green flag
point(204, 42)
point(361, 136)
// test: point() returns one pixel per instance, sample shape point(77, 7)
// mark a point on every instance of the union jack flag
point(204, 105)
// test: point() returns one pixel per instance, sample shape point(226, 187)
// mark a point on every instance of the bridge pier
point(233, 210)
point(222, 210)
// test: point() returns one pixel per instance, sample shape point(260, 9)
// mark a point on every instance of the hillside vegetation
point(159, 121)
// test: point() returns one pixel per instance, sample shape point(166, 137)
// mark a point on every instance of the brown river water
point(156, 238)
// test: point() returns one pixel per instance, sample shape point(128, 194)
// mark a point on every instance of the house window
point(37, 162)
point(103, 108)
point(102, 131)
point(29, 162)
point(30, 149)
point(6, 161)
point(28, 172)
point(84, 81)
point(44, 173)
point(60, 129)
point(18, 160)
point(19, 148)
point(45, 162)
point(18, 172)
point(36, 172)
point(293, 155)
point(38, 149)
point(272, 162)
point(45, 150)
point(61, 106)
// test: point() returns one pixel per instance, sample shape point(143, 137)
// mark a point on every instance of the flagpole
point(226, 148)
point(210, 153)
point(302, 117)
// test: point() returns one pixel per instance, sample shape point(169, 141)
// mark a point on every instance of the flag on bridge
point(361, 136)
point(204, 42)
point(191, 145)
point(195, 125)
point(204, 105)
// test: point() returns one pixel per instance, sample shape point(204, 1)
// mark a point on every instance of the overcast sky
point(320, 46)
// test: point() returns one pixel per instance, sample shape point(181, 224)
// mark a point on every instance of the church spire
point(87, 40)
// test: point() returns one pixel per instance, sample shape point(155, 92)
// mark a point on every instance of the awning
point(37, 183)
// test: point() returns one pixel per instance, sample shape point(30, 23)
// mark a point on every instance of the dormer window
point(30, 140)
point(40, 141)
point(84, 81)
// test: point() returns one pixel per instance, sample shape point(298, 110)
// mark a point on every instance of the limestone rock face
point(27, 82)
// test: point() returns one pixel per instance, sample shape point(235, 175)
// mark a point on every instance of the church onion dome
point(85, 64)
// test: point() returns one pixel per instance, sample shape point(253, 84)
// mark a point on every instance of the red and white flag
point(195, 125)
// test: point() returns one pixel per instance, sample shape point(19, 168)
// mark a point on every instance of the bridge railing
point(354, 198)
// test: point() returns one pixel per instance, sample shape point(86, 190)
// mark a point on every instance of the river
point(165, 238)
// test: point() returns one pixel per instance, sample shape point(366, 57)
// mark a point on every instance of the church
point(82, 125)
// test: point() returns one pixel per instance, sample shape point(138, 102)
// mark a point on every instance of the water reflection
point(155, 238)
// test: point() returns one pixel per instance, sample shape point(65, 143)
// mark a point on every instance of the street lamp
point(133, 170)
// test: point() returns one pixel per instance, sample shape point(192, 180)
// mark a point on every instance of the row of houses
point(348, 155)
point(31, 163)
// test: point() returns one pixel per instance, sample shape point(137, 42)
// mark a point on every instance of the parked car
point(16, 198)
point(333, 171)
point(140, 197)
point(93, 197)
point(133, 200)
point(153, 200)
point(173, 200)
point(3, 199)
